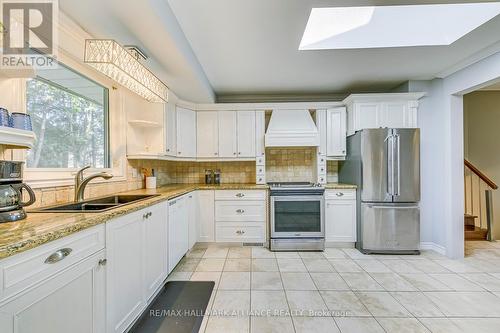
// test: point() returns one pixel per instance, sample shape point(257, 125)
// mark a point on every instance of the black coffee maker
point(11, 195)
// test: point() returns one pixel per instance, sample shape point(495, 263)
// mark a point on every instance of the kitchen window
point(70, 118)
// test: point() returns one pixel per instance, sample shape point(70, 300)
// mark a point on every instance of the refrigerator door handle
point(390, 164)
point(396, 173)
point(392, 207)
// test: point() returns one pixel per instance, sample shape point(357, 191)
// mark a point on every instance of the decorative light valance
point(123, 66)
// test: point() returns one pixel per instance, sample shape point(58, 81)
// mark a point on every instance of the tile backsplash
point(291, 164)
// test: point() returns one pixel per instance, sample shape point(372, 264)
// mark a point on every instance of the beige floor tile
point(466, 304)
point(264, 265)
point(402, 325)
point(456, 282)
point(287, 255)
point(179, 276)
point(228, 324)
point(400, 266)
point(206, 276)
point(382, 304)
point(297, 281)
point(269, 303)
point(372, 266)
point(262, 252)
point(315, 325)
point(475, 325)
point(237, 265)
point(361, 282)
point(311, 255)
point(266, 281)
point(187, 265)
point(307, 303)
point(358, 325)
point(457, 266)
point(424, 282)
point(333, 253)
point(196, 253)
point(427, 266)
point(487, 281)
point(441, 325)
point(344, 304)
point(355, 254)
point(271, 325)
point(231, 303)
point(345, 266)
point(239, 252)
point(210, 265)
point(216, 252)
point(392, 282)
point(329, 281)
point(291, 265)
point(417, 304)
point(318, 265)
point(235, 281)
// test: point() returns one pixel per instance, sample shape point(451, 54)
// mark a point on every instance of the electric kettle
point(11, 192)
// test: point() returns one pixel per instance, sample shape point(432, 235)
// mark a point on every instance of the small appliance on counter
point(208, 176)
point(11, 196)
point(217, 177)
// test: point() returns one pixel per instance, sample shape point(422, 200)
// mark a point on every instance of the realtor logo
point(29, 31)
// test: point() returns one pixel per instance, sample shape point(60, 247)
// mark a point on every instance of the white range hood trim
point(291, 128)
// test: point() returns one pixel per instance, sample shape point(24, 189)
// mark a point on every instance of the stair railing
point(479, 197)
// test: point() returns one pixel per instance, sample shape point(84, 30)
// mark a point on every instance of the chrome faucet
point(81, 183)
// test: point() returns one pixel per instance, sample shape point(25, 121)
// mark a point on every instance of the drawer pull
point(103, 262)
point(339, 194)
point(240, 232)
point(58, 255)
point(240, 211)
point(240, 195)
point(146, 215)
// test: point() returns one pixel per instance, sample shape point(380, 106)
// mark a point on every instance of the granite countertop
point(41, 228)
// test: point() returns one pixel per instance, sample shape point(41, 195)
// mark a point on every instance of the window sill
point(44, 178)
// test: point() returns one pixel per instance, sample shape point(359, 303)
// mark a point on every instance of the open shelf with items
point(13, 138)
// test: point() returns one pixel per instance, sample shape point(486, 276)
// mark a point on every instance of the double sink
point(96, 205)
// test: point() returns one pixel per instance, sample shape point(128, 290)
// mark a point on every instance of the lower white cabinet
point(178, 230)
point(193, 225)
point(136, 263)
point(70, 301)
point(205, 215)
point(340, 216)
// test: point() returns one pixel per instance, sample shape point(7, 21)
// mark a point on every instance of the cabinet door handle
point(234, 153)
point(215, 154)
point(240, 211)
point(240, 195)
point(239, 153)
point(58, 255)
point(168, 149)
point(103, 262)
point(179, 152)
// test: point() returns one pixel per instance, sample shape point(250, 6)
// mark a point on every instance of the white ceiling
point(251, 47)
point(245, 47)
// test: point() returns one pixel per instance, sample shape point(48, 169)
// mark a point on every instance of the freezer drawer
point(390, 228)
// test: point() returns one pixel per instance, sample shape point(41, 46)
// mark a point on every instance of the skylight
point(393, 26)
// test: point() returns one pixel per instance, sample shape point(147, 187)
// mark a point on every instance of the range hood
point(291, 128)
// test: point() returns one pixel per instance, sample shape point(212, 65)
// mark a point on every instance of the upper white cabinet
point(207, 134)
point(398, 110)
point(336, 132)
point(246, 133)
point(260, 131)
point(228, 145)
point(186, 132)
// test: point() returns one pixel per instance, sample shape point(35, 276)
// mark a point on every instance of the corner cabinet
point(396, 110)
point(340, 216)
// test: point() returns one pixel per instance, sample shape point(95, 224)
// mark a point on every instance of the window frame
point(116, 154)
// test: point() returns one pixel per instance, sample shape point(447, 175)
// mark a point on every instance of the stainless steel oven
point(297, 216)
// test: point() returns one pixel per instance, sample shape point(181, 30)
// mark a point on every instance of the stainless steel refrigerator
point(385, 165)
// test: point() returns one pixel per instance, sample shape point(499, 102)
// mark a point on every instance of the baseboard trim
point(433, 246)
